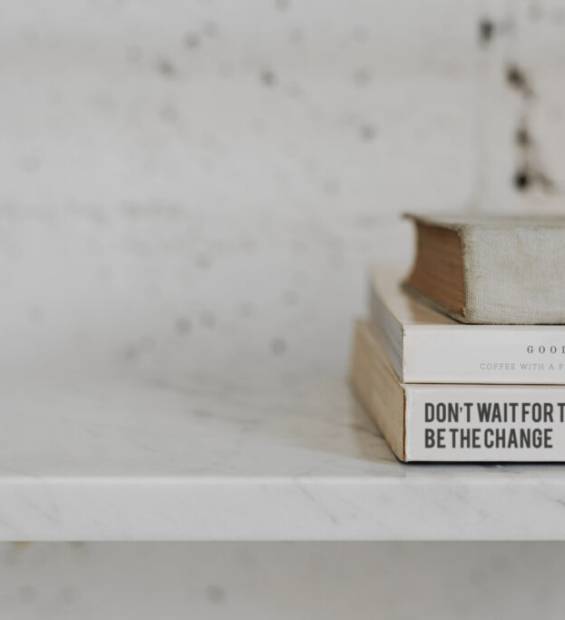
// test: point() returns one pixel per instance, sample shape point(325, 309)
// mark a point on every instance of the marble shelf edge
point(282, 509)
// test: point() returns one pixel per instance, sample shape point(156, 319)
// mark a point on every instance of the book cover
point(491, 269)
point(426, 346)
point(470, 423)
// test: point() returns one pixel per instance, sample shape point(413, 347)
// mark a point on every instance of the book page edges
point(419, 297)
point(387, 329)
point(512, 268)
point(378, 389)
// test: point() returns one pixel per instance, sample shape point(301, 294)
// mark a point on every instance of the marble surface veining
point(123, 459)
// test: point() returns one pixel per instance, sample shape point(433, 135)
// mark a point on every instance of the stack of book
point(464, 360)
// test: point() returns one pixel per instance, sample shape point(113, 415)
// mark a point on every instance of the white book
point(425, 346)
point(457, 422)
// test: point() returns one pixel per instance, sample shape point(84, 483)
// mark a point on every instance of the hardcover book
point(457, 422)
point(426, 346)
point(491, 269)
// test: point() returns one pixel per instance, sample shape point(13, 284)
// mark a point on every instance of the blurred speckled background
point(197, 188)
point(193, 190)
point(330, 581)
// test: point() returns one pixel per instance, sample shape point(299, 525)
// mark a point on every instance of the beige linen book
point(491, 269)
point(448, 422)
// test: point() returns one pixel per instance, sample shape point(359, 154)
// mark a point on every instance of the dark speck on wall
point(278, 346)
point(362, 76)
point(486, 31)
point(192, 40)
point(166, 68)
point(529, 175)
point(282, 5)
point(268, 77)
point(367, 132)
point(203, 261)
point(523, 137)
point(530, 172)
point(517, 78)
point(137, 349)
point(215, 594)
point(183, 326)
point(522, 180)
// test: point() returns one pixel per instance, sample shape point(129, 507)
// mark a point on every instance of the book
point(426, 346)
point(457, 422)
point(491, 269)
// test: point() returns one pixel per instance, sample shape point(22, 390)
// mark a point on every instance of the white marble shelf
point(125, 459)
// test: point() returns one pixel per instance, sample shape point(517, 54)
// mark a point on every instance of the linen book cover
point(491, 269)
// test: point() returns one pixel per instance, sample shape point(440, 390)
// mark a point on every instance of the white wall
point(196, 189)
point(324, 581)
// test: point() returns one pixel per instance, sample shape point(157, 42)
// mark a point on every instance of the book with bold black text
point(453, 422)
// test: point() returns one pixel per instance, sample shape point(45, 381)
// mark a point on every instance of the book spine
point(485, 423)
point(489, 354)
